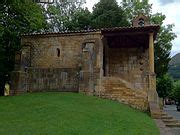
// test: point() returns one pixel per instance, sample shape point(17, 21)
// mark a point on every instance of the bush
point(176, 91)
point(164, 86)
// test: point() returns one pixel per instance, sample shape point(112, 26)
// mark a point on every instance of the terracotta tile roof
point(154, 28)
point(129, 29)
point(61, 32)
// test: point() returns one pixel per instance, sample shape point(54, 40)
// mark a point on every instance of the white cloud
point(90, 3)
point(171, 10)
point(165, 2)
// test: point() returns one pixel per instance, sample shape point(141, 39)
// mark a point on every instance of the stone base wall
point(19, 82)
point(45, 79)
point(88, 81)
point(55, 79)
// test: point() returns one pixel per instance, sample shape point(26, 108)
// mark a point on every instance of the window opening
point(58, 52)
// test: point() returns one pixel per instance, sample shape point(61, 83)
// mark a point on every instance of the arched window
point(58, 52)
point(141, 22)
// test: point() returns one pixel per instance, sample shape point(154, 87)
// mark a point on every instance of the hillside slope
point(56, 113)
point(175, 60)
point(174, 66)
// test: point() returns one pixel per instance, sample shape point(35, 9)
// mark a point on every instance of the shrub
point(177, 90)
point(164, 86)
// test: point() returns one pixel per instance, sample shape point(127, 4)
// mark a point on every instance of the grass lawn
point(70, 114)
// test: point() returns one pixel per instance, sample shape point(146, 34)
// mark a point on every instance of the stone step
point(106, 80)
point(111, 80)
point(107, 97)
point(164, 114)
point(155, 115)
point(133, 101)
point(115, 92)
point(116, 88)
point(113, 83)
point(122, 94)
point(172, 125)
point(170, 121)
point(121, 90)
point(120, 97)
point(167, 117)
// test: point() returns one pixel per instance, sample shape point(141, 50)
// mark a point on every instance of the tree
point(163, 43)
point(133, 8)
point(163, 47)
point(16, 17)
point(107, 13)
point(81, 20)
point(62, 16)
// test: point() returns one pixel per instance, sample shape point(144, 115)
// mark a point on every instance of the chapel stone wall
point(58, 63)
point(130, 64)
point(56, 51)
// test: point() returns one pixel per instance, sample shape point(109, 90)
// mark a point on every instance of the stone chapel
point(114, 63)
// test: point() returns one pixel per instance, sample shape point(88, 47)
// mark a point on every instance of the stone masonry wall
point(130, 64)
point(53, 79)
point(44, 50)
point(57, 62)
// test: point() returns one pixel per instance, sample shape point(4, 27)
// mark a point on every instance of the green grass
point(70, 114)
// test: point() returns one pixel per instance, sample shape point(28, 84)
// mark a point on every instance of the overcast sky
point(170, 8)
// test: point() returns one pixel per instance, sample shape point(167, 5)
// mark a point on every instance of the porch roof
point(128, 37)
point(130, 30)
